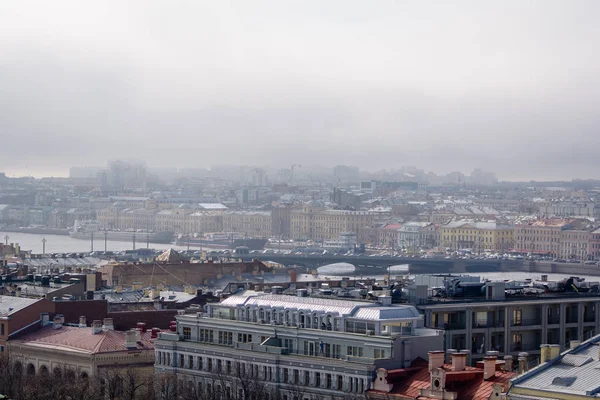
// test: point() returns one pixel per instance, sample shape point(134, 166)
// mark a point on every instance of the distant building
point(317, 223)
point(478, 236)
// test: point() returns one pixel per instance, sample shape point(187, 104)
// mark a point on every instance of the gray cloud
point(509, 86)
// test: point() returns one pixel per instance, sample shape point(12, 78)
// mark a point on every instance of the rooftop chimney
point(96, 327)
point(449, 353)
point(544, 353)
point(574, 343)
point(141, 326)
point(523, 367)
point(554, 351)
point(108, 324)
point(44, 318)
point(508, 363)
point(131, 339)
point(58, 323)
point(489, 367)
point(459, 361)
point(82, 322)
point(436, 359)
point(154, 333)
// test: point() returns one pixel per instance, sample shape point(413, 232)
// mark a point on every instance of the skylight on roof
point(564, 380)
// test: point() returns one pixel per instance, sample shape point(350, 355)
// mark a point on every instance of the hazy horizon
point(509, 87)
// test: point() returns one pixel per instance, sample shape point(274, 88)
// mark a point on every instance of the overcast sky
point(508, 86)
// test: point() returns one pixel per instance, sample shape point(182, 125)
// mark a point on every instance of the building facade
point(323, 224)
point(477, 236)
point(305, 348)
point(250, 223)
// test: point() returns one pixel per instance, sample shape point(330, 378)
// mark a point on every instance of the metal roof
point(10, 305)
point(575, 372)
point(349, 308)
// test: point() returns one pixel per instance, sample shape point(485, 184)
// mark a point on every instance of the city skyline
point(447, 87)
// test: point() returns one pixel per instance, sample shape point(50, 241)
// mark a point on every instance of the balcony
point(527, 322)
point(453, 326)
point(488, 324)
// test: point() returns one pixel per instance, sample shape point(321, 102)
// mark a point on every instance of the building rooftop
point(354, 309)
point(468, 384)
point(10, 305)
point(574, 372)
point(68, 338)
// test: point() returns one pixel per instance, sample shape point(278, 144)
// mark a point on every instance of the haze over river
point(66, 244)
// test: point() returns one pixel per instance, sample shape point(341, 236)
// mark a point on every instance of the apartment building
point(250, 223)
point(540, 236)
point(515, 324)
point(303, 347)
point(320, 224)
point(575, 240)
point(410, 236)
point(478, 236)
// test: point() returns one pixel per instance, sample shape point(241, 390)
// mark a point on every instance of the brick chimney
point(436, 359)
point(459, 361)
point(489, 367)
point(508, 363)
point(96, 327)
point(58, 323)
point(82, 322)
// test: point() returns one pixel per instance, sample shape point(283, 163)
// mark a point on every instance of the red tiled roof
point(82, 339)
point(468, 384)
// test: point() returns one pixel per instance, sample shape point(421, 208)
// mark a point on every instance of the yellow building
point(477, 236)
point(319, 224)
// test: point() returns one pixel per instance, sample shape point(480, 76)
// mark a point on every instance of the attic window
point(575, 360)
point(564, 380)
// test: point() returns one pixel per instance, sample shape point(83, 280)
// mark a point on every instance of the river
point(66, 244)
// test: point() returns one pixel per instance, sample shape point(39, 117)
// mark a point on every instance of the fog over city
point(509, 86)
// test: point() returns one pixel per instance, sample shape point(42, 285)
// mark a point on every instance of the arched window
point(56, 372)
point(30, 369)
point(18, 368)
point(44, 370)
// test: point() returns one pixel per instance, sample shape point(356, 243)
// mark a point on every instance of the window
point(187, 333)
point(306, 378)
point(210, 364)
point(181, 361)
point(2, 329)
point(286, 376)
point(200, 363)
point(190, 362)
point(355, 351)
point(517, 317)
point(328, 381)
point(296, 377)
point(378, 353)
point(317, 379)
point(206, 335)
point(245, 338)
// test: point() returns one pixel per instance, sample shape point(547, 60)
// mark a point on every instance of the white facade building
point(301, 347)
point(409, 236)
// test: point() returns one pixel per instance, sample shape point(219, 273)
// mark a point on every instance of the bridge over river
point(379, 264)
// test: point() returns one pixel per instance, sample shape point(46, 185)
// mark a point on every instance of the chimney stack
point(489, 367)
point(554, 351)
point(108, 324)
point(131, 339)
point(96, 327)
point(523, 367)
point(436, 359)
point(574, 343)
point(449, 353)
point(544, 353)
point(57, 322)
point(82, 322)
point(508, 363)
point(459, 361)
